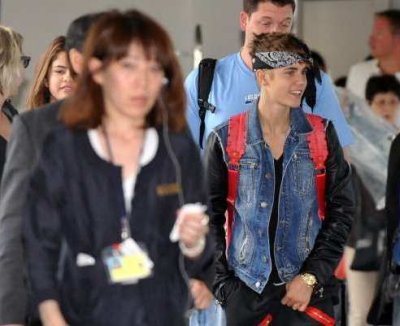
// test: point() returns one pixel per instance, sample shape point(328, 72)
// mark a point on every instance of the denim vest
point(298, 222)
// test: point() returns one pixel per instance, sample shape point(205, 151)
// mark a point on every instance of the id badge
point(126, 262)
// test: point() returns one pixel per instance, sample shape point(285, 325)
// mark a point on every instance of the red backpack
point(236, 146)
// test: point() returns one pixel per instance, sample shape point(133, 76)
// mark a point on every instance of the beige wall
point(339, 29)
point(39, 21)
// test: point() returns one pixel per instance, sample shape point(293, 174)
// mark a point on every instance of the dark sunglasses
point(25, 59)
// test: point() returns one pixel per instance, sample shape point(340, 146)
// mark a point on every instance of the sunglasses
point(25, 59)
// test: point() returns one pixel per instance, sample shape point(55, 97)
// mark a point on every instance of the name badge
point(126, 262)
point(168, 189)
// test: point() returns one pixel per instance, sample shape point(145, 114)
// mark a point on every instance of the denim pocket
point(247, 180)
point(303, 173)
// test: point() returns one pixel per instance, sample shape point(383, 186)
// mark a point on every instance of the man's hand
point(298, 294)
point(201, 294)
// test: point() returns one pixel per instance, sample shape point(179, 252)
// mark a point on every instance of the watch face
point(309, 279)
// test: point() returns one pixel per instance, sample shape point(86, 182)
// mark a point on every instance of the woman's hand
point(50, 314)
point(298, 294)
point(192, 229)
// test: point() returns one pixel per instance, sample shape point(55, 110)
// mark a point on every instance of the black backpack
point(205, 79)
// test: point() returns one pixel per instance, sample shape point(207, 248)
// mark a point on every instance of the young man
point(282, 252)
point(234, 87)
point(28, 133)
point(384, 43)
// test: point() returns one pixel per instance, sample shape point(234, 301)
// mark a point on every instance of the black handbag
point(381, 311)
point(370, 233)
point(368, 250)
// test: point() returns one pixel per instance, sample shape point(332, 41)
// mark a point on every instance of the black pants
point(244, 307)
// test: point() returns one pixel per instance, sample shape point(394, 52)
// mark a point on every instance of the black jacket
point(392, 194)
point(76, 196)
point(331, 239)
point(27, 135)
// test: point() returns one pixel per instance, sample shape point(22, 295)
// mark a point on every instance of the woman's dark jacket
point(74, 205)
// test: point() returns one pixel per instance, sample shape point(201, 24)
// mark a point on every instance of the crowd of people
point(122, 204)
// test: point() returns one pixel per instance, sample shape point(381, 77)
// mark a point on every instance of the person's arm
point(328, 107)
point(392, 194)
point(42, 231)
point(328, 247)
point(217, 182)
point(20, 157)
point(192, 108)
point(50, 314)
point(194, 191)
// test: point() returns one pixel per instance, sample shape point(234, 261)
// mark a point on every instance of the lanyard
point(125, 227)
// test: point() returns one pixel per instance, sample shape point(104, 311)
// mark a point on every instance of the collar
point(299, 125)
point(150, 145)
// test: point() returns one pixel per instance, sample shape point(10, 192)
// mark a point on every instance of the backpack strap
point(314, 313)
point(9, 110)
point(205, 79)
point(236, 147)
point(318, 147)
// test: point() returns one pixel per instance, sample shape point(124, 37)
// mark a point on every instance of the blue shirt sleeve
point(192, 109)
point(328, 107)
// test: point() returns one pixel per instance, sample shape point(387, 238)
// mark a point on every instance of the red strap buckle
point(320, 316)
point(266, 321)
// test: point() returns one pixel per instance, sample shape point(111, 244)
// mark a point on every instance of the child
point(383, 95)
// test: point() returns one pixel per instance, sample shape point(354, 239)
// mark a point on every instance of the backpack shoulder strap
point(205, 79)
point(318, 147)
point(236, 147)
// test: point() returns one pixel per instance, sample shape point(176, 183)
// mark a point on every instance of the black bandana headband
point(278, 59)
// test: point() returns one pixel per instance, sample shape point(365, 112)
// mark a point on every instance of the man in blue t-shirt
point(235, 90)
point(234, 87)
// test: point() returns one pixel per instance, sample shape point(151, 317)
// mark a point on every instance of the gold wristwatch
point(309, 279)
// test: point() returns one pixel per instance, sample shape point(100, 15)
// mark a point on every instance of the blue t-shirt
point(235, 90)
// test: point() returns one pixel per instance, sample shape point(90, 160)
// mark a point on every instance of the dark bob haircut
point(109, 40)
point(381, 84)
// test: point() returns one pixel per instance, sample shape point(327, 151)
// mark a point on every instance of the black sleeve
point(41, 223)
point(17, 169)
point(392, 193)
point(328, 247)
point(194, 190)
point(217, 181)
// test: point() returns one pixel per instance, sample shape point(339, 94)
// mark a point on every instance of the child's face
point(386, 105)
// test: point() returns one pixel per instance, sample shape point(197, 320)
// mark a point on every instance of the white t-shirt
point(359, 75)
point(150, 146)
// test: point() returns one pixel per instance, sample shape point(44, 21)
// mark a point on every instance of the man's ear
point(262, 77)
point(243, 19)
point(94, 66)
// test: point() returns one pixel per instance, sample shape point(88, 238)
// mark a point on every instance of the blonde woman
point(11, 68)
